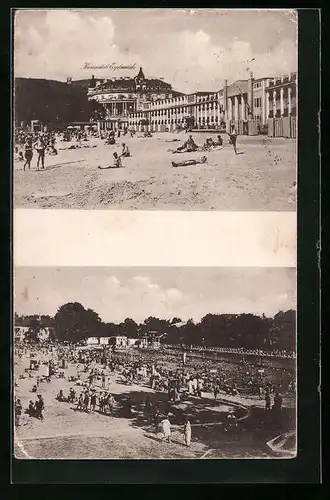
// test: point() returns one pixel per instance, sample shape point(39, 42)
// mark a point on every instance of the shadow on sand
point(207, 421)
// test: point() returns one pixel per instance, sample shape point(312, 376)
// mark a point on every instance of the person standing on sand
point(215, 393)
point(156, 419)
point(233, 137)
point(86, 402)
point(93, 401)
point(28, 153)
point(166, 428)
point(111, 403)
point(39, 407)
point(40, 147)
point(18, 412)
point(187, 432)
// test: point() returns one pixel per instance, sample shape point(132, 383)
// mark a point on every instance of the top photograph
point(155, 109)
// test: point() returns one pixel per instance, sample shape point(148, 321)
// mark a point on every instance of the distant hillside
point(50, 101)
point(84, 84)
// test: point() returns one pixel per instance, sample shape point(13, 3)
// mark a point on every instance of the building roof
point(129, 84)
point(204, 92)
point(263, 78)
point(237, 88)
point(140, 75)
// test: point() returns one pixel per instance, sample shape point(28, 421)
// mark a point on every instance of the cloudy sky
point(118, 293)
point(192, 50)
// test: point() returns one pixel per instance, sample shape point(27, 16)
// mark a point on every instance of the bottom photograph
point(154, 363)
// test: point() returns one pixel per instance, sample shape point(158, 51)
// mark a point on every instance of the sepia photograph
point(154, 363)
point(155, 109)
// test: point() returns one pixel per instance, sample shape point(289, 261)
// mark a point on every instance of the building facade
point(198, 110)
point(115, 99)
point(241, 103)
point(281, 96)
point(119, 341)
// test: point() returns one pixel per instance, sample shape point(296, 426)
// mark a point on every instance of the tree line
point(73, 323)
point(53, 102)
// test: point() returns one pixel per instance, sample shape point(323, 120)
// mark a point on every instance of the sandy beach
point(258, 178)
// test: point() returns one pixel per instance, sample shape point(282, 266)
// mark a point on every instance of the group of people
point(182, 383)
point(164, 425)
point(271, 353)
point(117, 162)
point(277, 401)
point(40, 143)
point(71, 134)
point(88, 400)
point(190, 145)
point(34, 409)
point(110, 136)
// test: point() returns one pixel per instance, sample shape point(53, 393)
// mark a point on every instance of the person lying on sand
point(187, 147)
point(116, 162)
point(207, 144)
point(186, 163)
point(210, 143)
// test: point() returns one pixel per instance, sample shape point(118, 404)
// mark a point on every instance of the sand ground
point(259, 178)
point(68, 433)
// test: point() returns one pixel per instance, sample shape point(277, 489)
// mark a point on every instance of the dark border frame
point(306, 467)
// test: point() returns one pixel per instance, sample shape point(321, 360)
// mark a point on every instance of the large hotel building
point(150, 103)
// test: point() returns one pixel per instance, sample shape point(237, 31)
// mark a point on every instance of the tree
point(155, 324)
point(190, 333)
point(31, 335)
point(283, 330)
point(218, 330)
point(74, 323)
point(130, 328)
point(49, 101)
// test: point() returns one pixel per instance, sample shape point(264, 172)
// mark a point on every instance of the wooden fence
point(243, 127)
point(283, 127)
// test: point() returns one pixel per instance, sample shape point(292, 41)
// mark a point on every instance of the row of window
point(208, 119)
point(277, 113)
point(257, 102)
point(184, 110)
point(285, 93)
point(153, 97)
point(188, 99)
point(114, 97)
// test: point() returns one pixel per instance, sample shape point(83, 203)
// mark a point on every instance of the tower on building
point(140, 76)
